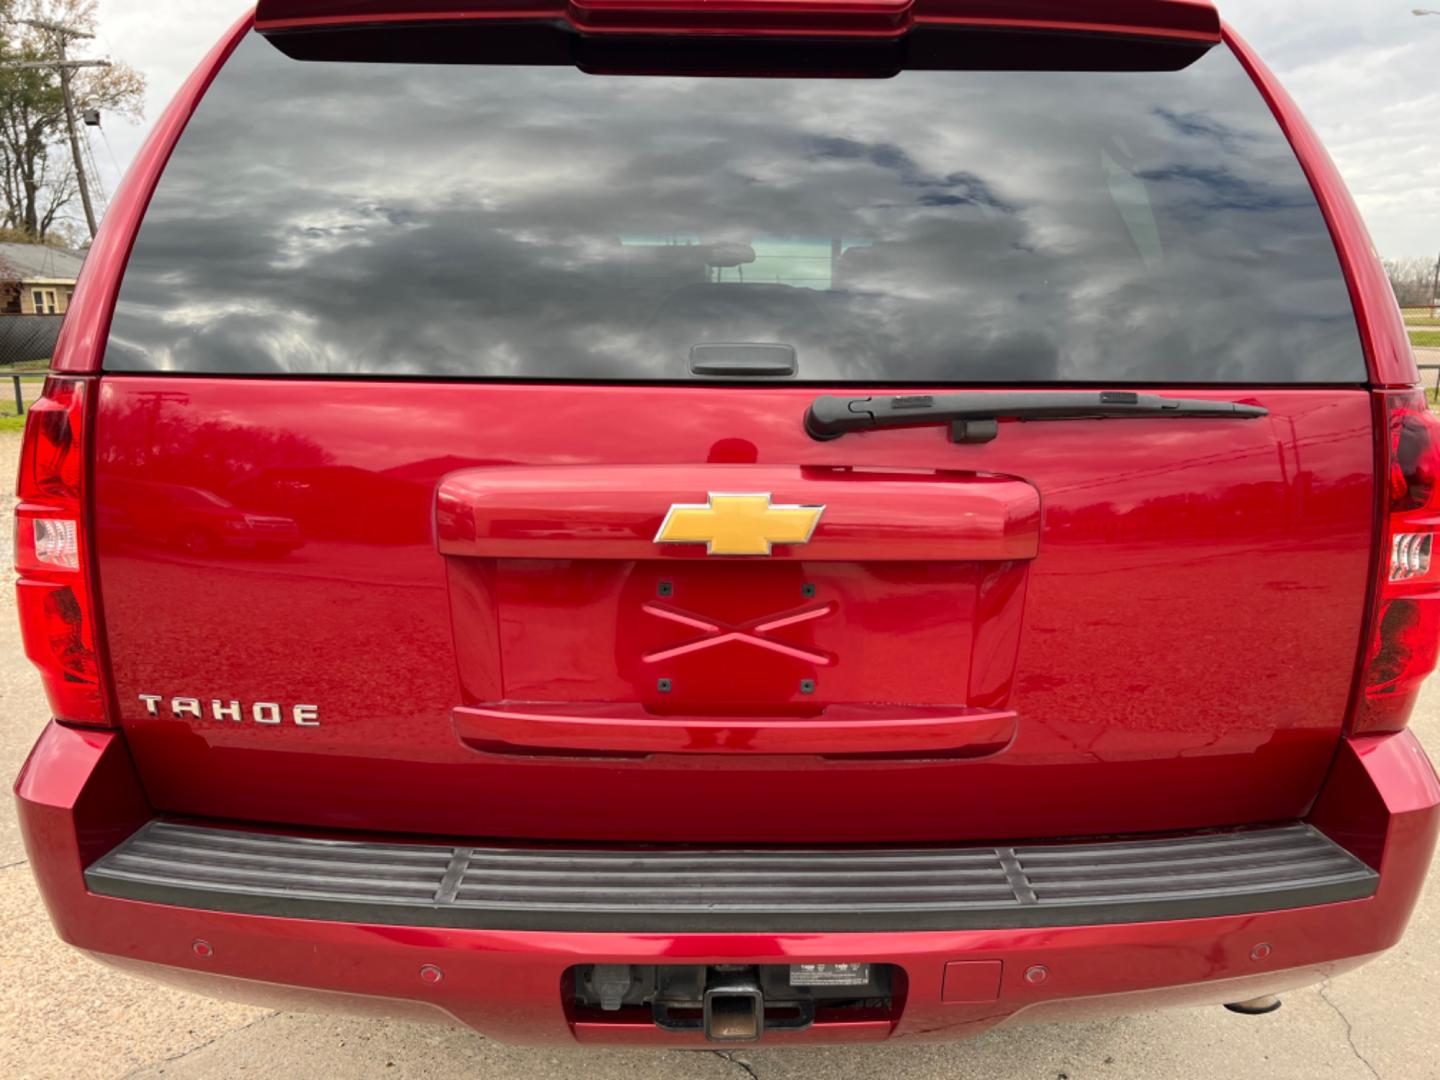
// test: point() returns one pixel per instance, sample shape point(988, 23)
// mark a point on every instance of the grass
point(1421, 316)
point(1425, 339)
point(30, 387)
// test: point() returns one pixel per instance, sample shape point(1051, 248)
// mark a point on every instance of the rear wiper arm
point(973, 417)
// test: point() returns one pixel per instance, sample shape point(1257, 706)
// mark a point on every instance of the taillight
point(54, 591)
point(1405, 632)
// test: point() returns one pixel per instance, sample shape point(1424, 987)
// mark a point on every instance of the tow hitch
point(734, 1005)
point(733, 1002)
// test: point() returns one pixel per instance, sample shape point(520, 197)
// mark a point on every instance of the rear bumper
point(79, 798)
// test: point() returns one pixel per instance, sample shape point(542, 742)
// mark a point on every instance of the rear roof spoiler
point(1189, 20)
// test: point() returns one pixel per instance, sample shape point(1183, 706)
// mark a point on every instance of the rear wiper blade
point(973, 417)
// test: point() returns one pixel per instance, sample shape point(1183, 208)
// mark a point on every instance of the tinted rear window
point(538, 222)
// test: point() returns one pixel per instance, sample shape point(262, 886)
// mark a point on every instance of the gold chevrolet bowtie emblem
point(738, 524)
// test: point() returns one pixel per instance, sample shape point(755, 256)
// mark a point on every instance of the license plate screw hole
point(807, 686)
point(808, 591)
point(663, 685)
point(665, 588)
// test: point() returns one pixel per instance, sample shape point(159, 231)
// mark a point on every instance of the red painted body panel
point(738, 641)
point(1149, 689)
point(508, 984)
point(615, 512)
point(1186, 19)
point(628, 731)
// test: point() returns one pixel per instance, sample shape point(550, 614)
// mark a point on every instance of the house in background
point(37, 280)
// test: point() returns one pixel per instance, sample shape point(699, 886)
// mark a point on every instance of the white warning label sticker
point(829, 974)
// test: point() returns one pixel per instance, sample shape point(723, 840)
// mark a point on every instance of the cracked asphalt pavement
point(64, 1015)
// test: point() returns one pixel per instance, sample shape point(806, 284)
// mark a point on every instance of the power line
point(99, 190)
point(110, 150)
point(56, 28)
point(53, 65)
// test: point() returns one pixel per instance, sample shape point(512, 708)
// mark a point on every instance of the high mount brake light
point(1195, 20)
point(1405, 629)
point(55, 594)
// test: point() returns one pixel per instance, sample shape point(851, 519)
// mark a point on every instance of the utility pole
point(67, 69)
point(1435, 290)
point(1434, 284)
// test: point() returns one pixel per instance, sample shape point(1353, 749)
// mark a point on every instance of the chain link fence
point(27, 338)
point(26, 342)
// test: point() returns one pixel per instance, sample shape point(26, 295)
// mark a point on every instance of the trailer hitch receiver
point(734, 1006)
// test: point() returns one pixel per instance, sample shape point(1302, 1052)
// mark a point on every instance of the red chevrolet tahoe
point(664, 521)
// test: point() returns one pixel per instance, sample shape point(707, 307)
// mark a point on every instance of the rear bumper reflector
point(674, 889)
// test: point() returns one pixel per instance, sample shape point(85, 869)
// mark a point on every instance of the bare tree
point(1413, 280)
point(9, 285)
